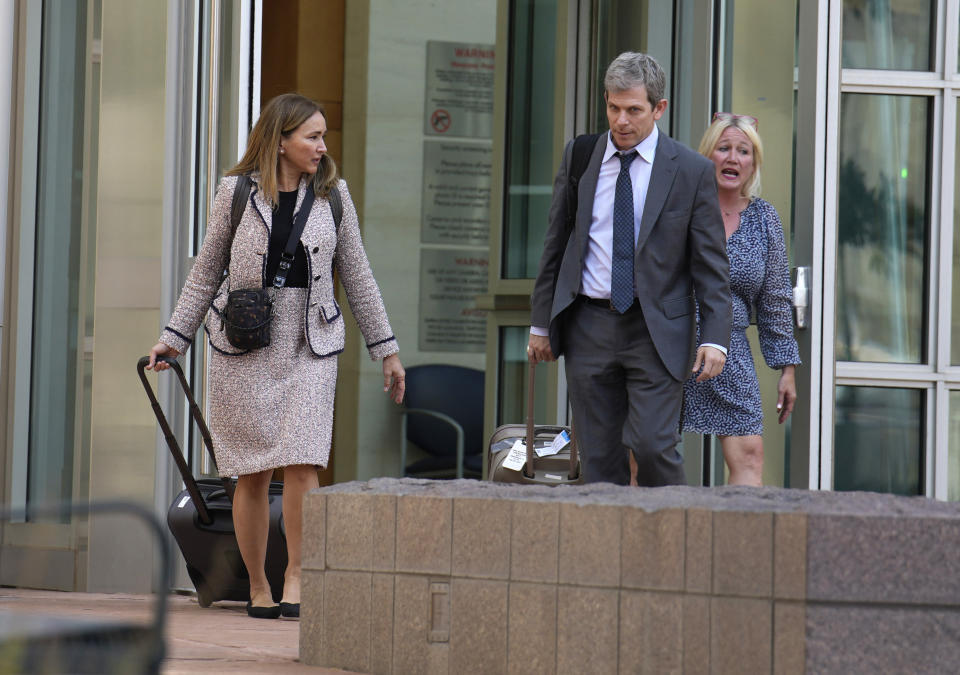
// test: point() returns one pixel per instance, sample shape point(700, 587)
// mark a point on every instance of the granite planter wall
point(413, 576)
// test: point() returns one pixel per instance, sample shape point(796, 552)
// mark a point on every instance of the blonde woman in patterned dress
point(273, 407)
point(729, 405)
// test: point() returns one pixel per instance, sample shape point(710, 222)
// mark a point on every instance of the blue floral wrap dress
point(729, 404)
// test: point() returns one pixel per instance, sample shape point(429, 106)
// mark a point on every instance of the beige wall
point(385, 66)
point(126, 313)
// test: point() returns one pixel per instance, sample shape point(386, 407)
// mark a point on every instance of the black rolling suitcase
point(201, 517)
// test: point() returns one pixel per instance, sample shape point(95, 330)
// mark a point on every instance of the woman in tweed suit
point(273, 407)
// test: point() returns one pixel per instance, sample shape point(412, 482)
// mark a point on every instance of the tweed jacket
point(204, 294)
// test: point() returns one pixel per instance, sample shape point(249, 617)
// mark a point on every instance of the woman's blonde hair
point(711, 138)
point(280, 117)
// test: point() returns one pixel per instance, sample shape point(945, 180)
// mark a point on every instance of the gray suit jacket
point(680, 254)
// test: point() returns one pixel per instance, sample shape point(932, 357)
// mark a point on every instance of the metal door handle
point(801, 295)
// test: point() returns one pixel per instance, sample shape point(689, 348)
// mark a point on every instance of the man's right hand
point(538, 349)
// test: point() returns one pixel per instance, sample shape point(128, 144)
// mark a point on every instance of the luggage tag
point(518, 453)
point(517, 457)
point(556, 445)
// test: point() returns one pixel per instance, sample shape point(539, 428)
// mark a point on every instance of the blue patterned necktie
point(621, 276)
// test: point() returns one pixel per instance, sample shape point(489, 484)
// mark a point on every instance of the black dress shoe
point(290, 609)
point(263, 612)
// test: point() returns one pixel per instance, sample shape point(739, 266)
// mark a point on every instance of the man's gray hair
point(633, 69)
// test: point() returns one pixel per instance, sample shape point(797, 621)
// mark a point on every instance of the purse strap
point(300, 222)
point(241, 194)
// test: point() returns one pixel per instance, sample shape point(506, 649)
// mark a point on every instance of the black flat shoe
point(263, 612)
point(290, 609)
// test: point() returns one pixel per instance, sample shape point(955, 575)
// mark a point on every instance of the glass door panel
point(879, 440)
point(629, 25)
point(57, 257)
point(882, 228)
point(225, 105)
point(953, 449)
point(531, 118)
point(955, 268)
point(531, 130)
point(890, 35)
point(755, 59)
point(883, 157)
point(224, 110)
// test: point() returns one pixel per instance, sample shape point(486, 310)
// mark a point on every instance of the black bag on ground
point(201, 517)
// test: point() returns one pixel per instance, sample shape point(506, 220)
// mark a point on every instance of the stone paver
point(218, 639)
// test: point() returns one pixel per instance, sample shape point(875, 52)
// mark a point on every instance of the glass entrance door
point(754, 61)
point(226, 52)
point(887, 407)
point(558, 53)
point(729, 55)
point(217, 96)
point(50, 294)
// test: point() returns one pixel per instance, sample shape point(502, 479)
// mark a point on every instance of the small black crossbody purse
point(248, 313)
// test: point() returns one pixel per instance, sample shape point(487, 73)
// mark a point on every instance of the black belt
point(601, 302)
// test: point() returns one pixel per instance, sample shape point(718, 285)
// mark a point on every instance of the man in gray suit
point(617, 281)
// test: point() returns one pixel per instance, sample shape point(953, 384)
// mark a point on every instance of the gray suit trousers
point(623, 397)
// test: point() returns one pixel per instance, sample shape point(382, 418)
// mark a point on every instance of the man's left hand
point(711, 359)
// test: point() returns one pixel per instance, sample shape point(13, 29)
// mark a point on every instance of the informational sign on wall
point(456, 192)
point(450, 281)
point(459, 92)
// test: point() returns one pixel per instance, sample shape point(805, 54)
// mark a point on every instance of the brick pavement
point(220, 638)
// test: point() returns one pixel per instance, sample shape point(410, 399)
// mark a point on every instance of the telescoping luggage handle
point(528, 470)
point(172, 443)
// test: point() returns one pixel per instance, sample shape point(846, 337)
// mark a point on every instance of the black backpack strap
point(582, 149)
point(241, 193)
point(336, 207)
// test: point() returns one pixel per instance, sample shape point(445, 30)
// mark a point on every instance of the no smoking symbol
point(440, 120)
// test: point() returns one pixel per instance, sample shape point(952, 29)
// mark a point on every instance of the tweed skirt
point(273, 407)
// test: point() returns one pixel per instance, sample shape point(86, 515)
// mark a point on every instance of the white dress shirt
point(598, 261)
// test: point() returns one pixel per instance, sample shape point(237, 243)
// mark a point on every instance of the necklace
point(730, 213)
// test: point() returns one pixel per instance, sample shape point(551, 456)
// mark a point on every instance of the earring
point(281, 150)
